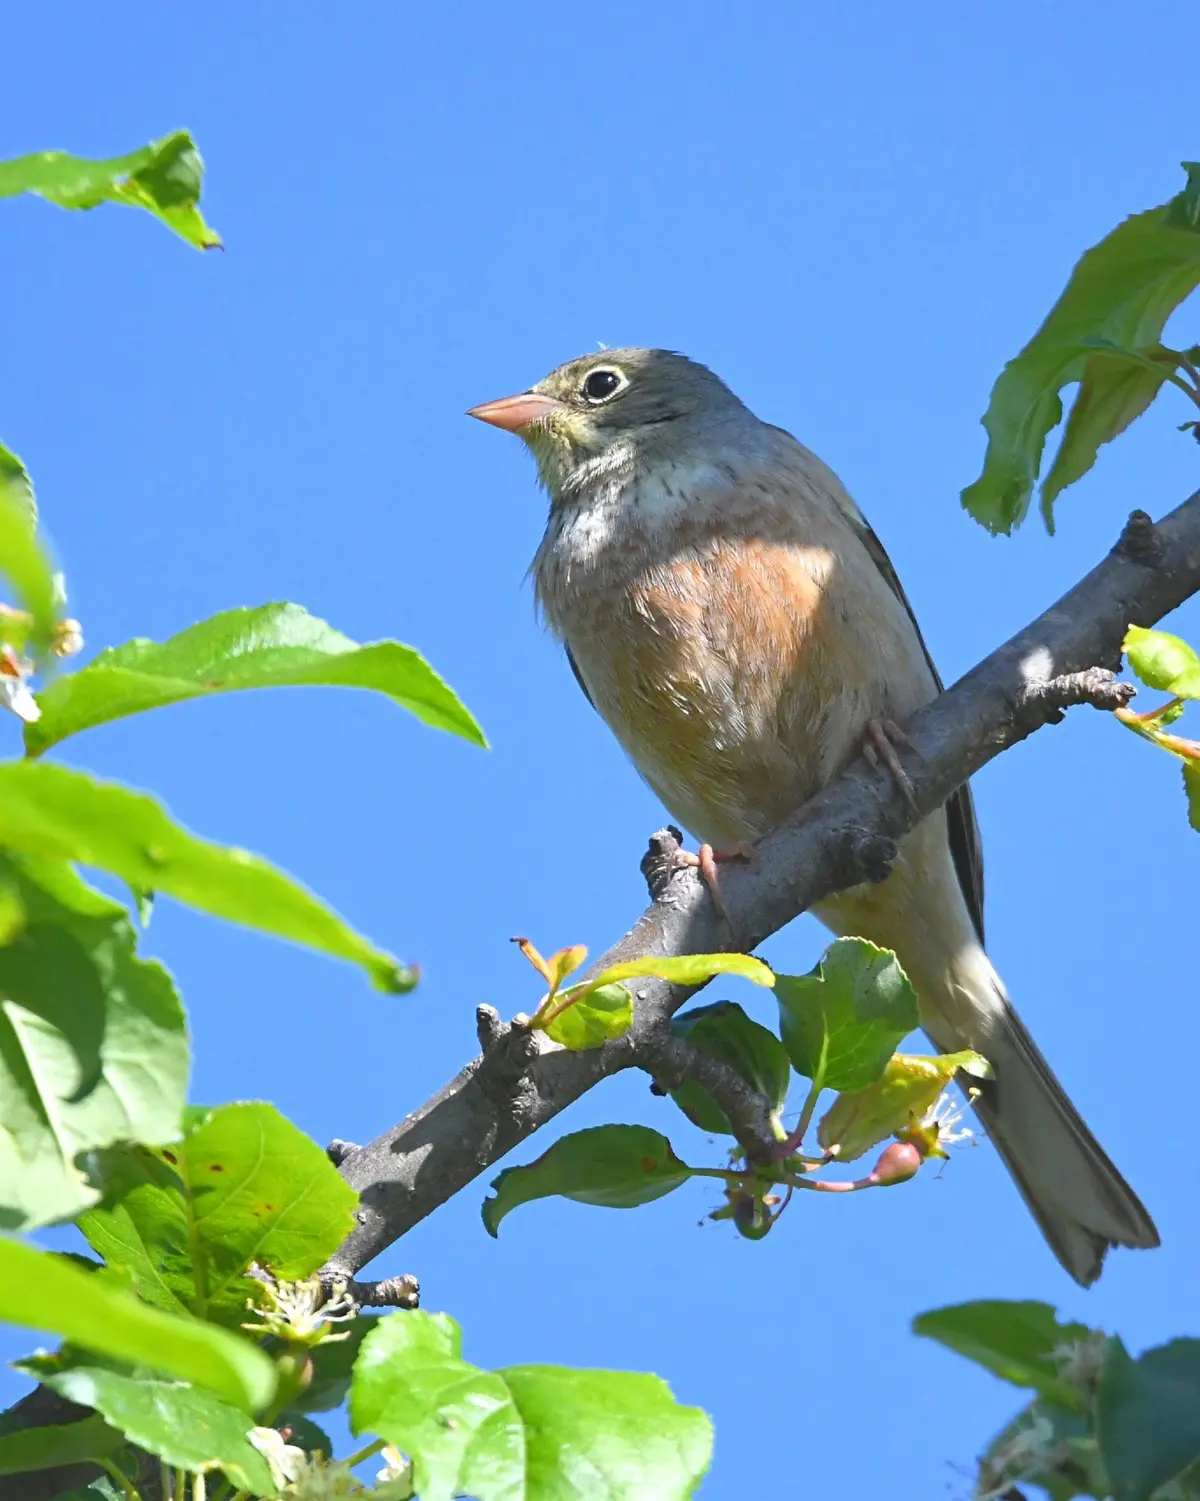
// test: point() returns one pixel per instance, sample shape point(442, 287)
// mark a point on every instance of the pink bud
point(897, 1164)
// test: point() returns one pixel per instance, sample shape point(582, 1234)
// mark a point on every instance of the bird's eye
point(601, 384)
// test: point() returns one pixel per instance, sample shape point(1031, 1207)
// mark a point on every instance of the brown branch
point(672, 1061)
point(845, 835)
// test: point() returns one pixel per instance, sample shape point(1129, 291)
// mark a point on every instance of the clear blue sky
point(855, 214)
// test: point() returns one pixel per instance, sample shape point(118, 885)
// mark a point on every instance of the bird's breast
point(720, 671)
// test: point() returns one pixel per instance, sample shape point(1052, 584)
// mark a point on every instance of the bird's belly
point(728, 701)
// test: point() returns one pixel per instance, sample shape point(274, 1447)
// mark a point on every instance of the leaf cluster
point(1100, 1424)
point(839, 1028)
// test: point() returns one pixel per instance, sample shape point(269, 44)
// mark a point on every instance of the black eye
point(601, 384)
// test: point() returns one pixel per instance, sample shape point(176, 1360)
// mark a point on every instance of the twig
point(391, 1292)
point(672, 1060)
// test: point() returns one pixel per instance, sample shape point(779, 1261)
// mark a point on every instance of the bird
point(728, 610)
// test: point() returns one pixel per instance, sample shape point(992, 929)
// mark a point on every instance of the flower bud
point(752, 1217)
point(897, 1164)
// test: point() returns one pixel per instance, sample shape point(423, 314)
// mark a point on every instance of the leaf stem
point(726, 1174)
point(364, 1453)
point(1152, 714)
point(120, 1479)
point(825, 1185)
point(1185, 359)
point(1176, 745)
point(1191, 391)
point(1180, 358)
point(792, 1143)
point(548, 1011)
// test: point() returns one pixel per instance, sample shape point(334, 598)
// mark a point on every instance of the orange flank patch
point(716, 671)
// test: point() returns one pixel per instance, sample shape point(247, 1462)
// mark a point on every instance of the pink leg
point(880, 740)
point(706, 861)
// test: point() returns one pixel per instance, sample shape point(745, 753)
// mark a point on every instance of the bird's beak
point(512, 413)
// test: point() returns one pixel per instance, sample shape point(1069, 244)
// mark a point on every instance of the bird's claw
point(705, 861)
point(880, 740)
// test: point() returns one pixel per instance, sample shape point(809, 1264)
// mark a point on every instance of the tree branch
point(845, 835)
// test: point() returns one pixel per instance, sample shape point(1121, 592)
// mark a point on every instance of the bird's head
point(617, 405)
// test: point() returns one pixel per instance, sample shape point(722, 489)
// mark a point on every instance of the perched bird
point(731, 615)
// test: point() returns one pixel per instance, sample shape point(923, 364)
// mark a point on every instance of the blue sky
point(854, 214)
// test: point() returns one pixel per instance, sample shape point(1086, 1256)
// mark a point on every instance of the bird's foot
point(706, 860)
point(880, 740)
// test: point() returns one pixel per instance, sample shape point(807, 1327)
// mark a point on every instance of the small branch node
point(338, 1150)
point(490, 1028)
point(663, 860)
point(391, 1292)
point(506, 1063)
point(868, 856)
point(1096, 686)
point(1139, 541)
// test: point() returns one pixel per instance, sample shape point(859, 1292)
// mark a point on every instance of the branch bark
point(845, 835)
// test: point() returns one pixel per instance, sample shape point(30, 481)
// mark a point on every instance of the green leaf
point(1121, 294)
point(841, 1023)
point(682, 969)
point(537, 1433)
point(163, 177)
point(725, 1032)
point(243, 1185)
point(627, 1430)
point(1148, 1416)
point(617, 1167)
point(1016, 1341)
point(183, 1425)
point(455, 1422)
point(599, 1009)
point(1163, 661)
point(23, 558)
point(274, 646)
point(49, 811)
point(62, 1444)
point(17, 487)
point(1115, 388)
point(42, 1291)
point(1183, 211)
point(601, 1015)
point(910, 1084)
point(93, 1041)
point(1191, 787)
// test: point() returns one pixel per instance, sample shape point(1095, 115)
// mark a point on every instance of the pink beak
point(512, 413)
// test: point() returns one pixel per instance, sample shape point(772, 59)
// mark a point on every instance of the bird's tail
point(1079, 1199)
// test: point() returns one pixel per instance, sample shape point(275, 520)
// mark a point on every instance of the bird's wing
point(966, 848)
point(574, 665)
